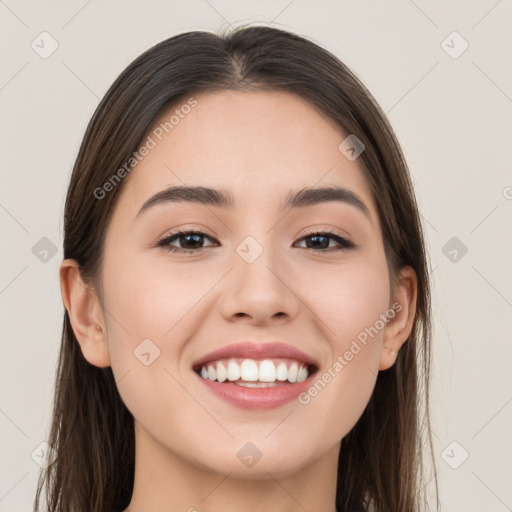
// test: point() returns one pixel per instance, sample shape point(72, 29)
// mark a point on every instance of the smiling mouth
point(256, 373)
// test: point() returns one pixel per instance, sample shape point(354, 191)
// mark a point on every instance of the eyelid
point(189, 228)
point(323, 228)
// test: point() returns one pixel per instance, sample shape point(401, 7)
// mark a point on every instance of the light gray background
point(452, 117)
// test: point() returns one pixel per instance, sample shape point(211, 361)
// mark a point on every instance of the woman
point(246, 287)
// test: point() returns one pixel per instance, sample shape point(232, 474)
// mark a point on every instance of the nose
point(260, 292)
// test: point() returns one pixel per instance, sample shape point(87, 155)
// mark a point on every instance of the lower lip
point(256, 398)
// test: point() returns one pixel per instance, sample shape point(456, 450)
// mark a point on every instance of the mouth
point(251, 384)
point(255, 376)
point(256, 373)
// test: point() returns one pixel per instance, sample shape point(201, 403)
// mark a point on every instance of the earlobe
point(85, 314)
point(400, 325)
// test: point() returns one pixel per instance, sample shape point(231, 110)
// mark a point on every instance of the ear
point(85, 314)
point(399, 327)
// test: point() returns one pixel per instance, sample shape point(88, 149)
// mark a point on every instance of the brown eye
point(189, 241)
point(322, 242)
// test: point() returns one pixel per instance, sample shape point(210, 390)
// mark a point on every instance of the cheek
point(152, 300)
point(351, 303)
point(348, 299)
point(147, 328)
point(154, 309)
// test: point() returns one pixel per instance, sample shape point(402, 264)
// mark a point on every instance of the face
point(313, 277)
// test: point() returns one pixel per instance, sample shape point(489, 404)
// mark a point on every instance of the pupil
point(197, 240)
point(316, 238)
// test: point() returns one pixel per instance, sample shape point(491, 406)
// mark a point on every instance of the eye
point(321, 242)
point(192, 242)
point(189, 241)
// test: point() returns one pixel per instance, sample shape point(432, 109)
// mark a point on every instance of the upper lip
point(251, 350)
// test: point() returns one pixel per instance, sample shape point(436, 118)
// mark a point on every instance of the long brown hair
point(381, 464)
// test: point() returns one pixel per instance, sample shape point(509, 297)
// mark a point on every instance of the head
point(259, 116)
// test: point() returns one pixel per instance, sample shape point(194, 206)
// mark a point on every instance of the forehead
point(257, 144)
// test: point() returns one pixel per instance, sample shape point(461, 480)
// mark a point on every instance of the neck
point(164, 481)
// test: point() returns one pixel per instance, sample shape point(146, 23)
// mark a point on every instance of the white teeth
point(222, 373)
point(233, 371)
point(249, 370)
point(259, 373)
point(302, 375)
point(292, 372)
point(282, 372)
point(267, 371)
point(257, 384)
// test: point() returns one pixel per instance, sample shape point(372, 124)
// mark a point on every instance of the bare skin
point(258, 146)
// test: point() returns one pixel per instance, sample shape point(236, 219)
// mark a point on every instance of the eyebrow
point(224, 199)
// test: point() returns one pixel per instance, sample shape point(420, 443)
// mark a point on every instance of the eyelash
point(344, 243)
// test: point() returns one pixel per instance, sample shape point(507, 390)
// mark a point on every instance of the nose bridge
point(259, 286)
